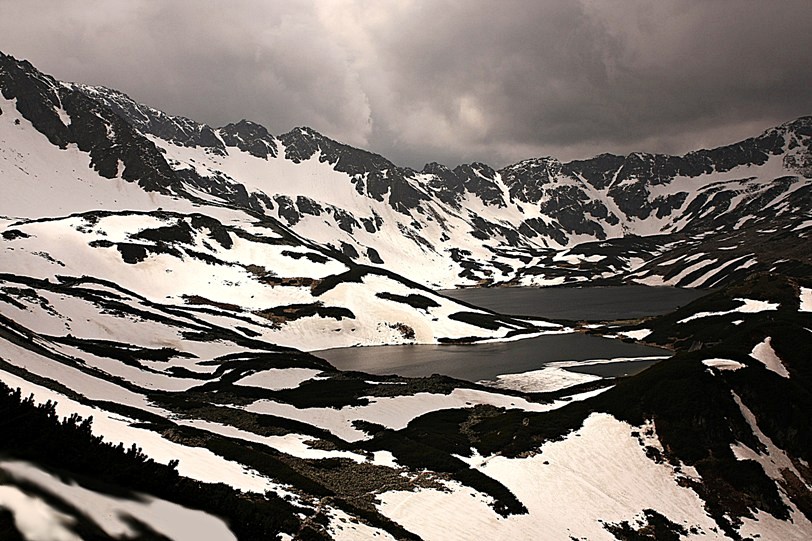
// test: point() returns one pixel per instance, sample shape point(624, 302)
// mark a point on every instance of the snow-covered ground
point(396, 412)
point(749, 306)
point(776, 465)
point(765, 353)
point(374, 308)
point(38, 520)
point(723, 364)
point(194, 462)
point(555, 376)
point(806, 299)
point(598, 473)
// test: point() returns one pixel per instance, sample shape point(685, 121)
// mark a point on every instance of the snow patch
point(723, 364)
point(638, 334)
point(749, 306)
point(806, 299)
point(276, 379)
point(555, 376)
point(599, 472)
point(172, 520)
point(765, 353)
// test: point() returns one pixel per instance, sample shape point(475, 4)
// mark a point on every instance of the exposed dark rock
point(349, 250)
point(249, 137)
point(479, 179)
point(175, 129)
point(373, 256)
point(93, 127)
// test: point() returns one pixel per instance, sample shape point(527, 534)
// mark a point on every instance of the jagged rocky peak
point(480, 179)
point(303, 142)
point(479, 168)
point(526, 180)
point(800, 126)
point(435, 168)
point(38, 98)
point(249, 137)
point(179, 130)
point(66, 115)
point(798, 156)
point(598, 171)
point(444, 183)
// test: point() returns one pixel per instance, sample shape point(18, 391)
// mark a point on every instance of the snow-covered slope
point(474, 224)
point(441, 227)
point(253, 277)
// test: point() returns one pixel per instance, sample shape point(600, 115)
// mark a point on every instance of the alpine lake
point(486, 361)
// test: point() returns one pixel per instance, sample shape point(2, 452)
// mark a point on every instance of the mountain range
point(175, 282)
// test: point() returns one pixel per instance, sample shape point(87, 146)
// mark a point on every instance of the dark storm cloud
point(445, 80)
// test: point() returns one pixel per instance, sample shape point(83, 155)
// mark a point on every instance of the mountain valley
point(166, 288)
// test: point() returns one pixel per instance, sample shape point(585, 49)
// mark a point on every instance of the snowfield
point(749, 306)
point(555, 376)
point(723, 364)
point(39, 522)
point(245, 279)
point(597, 473)
point(397, 412)
point(765, 353)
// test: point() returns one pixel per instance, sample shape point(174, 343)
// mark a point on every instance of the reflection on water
point(486, 361)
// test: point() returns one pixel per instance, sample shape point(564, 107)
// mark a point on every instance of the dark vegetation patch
point(178, 232)
point(197, 299)
point(8, 528)
point(248, 332)
point(652, 527)
point(491, 322)
point(354, 275)
point(12, 234)
point(405, 331)
point(349, 250)
point(135, 253)
point(291, 312)
point(126, 353)
point(132, 253)
point(310, 256)
point(35, 433)
point(430, 441)
point(246, 362)
point(217, 231)
point(203, 256)
point(374, 256)
point(336, 392)
point(414, 300)
point(295, 281)
point(101, 243)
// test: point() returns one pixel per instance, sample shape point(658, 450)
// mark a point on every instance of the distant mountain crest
point(467, 225)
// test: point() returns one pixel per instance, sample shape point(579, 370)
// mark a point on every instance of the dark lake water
point(486, 361)
point(579, 303)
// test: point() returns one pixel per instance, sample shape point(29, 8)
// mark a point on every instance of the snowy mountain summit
point(175, 282)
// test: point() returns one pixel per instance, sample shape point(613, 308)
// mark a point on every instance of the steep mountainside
point(474, 224)
point(467, 225)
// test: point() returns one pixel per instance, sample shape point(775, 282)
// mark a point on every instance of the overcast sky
point(452, 81)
